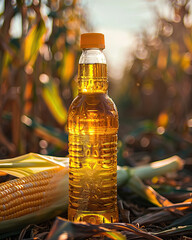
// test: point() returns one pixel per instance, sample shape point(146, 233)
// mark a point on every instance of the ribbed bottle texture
point(93, 126)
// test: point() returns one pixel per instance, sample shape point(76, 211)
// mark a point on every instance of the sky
point(121, 21)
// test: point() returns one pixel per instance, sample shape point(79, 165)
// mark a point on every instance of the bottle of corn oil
point(93, 126)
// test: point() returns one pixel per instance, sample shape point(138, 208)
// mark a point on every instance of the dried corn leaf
point(183, 221)
point(70, 230)
point(177, 231)
point(155, 217)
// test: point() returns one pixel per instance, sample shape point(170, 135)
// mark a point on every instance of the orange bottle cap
point(92, 40)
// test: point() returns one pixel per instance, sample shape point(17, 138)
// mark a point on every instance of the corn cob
point(23, 196)
point(43, 195)
point(29, 194)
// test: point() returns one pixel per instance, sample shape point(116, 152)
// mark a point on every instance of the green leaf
point(51, 96)
point(147, 192)
point(66, 69)
point(50, 134)
point(33, 41)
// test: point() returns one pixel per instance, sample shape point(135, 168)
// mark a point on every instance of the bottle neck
point(92, 72)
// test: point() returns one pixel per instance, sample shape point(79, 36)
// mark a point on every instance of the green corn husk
point(31, 163)
point(131, 177)
point(150, 170)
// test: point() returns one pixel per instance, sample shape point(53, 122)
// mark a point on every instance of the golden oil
point(93, 126)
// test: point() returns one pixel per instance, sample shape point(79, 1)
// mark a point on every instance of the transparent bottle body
point(93, 126)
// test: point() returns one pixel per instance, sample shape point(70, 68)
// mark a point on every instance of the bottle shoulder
point(93, 114)
point(97, 103)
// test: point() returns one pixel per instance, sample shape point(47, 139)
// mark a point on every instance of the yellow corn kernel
point(22, 196)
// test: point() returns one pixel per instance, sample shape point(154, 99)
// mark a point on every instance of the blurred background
point(149, 54)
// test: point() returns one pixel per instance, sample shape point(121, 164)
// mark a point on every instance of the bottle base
point(93, 217)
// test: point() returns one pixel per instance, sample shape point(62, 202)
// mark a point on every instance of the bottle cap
point(92, 40)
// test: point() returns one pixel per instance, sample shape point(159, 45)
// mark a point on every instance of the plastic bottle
point(93, 126)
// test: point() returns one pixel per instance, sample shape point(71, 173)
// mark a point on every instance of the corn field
point(39, 53)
